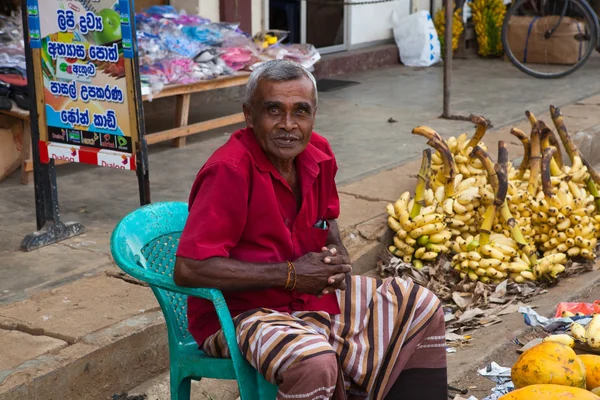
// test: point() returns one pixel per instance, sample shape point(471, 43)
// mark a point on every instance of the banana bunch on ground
point(461, 211)
point(490, 263)
point(563, 224)
point(419, 224)
point(495, 220)
point(459, 148)
point(422, 237)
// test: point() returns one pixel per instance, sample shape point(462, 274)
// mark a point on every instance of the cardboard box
point(11, 146)
point(527, 42)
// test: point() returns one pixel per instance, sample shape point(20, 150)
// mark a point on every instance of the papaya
point(549, 362)
point(550, 392)
point(592, 370)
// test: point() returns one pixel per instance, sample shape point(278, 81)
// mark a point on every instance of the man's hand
point(320, 272)
point(337, 281)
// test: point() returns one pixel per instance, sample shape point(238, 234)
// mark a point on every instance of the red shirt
point(241, 207)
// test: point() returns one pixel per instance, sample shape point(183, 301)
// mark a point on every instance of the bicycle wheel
point(549, 38)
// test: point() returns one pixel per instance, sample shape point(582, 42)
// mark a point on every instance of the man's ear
point(247, 115)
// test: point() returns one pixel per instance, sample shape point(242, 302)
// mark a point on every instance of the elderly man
point(262, 228)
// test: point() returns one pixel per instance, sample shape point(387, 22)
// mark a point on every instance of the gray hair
point(279, 71)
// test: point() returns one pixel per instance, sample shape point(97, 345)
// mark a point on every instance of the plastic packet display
point(237, 58)
point(168, 12)
point(206, 34)
point(304, 54)
point(273, 37)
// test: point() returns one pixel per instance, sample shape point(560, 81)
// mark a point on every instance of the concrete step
point(364, 59)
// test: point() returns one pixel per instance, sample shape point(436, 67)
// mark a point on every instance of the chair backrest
point(144, 244)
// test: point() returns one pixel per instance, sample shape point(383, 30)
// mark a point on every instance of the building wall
point(373, 22)
point(210, 9)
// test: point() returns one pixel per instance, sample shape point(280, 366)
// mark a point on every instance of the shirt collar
point(309, 159)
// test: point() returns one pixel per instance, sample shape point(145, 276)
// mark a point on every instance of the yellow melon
point(550, 392)
point(592, 370)
point(549, 362)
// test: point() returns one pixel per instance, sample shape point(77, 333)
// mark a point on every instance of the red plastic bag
point(585, 308)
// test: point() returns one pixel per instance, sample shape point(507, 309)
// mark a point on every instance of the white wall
point(257, 16)
point(371, 23)
point(210, 9)
point(205, 8)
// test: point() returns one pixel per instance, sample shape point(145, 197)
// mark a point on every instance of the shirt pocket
point(312, 239)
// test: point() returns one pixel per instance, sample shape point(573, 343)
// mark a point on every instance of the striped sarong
point(385, 327)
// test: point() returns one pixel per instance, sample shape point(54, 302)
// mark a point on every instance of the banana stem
point(488, 218)
point(482, 126)
point(558, 155)
point(519, 134)
point(547, 155)
point(535, 160)
point(594, 180)
point(545, 143)
point(486, 225)
point(485, 159)
point(516, 233)
point(504, 210)
point(502, 154)
point(559, 123)
point(436, 141)
point(422, 180)
point(531, 118)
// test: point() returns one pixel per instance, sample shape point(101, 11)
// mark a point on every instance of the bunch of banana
point(560, 338)
point(562, 222)
point(488, 263)
point(420, 230)
point(439, 21)
point(577, 172)
point(421, 238)
point(459, 149)
point(488, 16)
point(592, 332)
point(461, 211)
point(523, 268)
point(561, 216)
point(578, 332)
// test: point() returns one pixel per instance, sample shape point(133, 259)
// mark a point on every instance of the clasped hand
point(322, 273)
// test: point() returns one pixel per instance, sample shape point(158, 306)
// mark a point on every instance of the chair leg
point(181, 390)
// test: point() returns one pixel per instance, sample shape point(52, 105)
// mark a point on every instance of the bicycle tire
point(589, 14)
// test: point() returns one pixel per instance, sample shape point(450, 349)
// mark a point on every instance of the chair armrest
point(166, 282)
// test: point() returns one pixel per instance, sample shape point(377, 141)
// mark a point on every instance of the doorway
point(324, 25)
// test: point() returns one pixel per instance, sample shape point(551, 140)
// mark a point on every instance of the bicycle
point(550, 39)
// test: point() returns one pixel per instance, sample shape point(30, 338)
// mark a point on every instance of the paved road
point(354, 119)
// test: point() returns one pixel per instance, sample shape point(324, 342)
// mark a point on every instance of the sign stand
point(80, 110)
point(50, 229)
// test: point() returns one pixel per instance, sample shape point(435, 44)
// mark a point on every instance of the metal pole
point(50, 228)
point(447, 57)
point(141, 158)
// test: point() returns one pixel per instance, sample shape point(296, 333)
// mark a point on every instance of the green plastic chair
point(143, 245)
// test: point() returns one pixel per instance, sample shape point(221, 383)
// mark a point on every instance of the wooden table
point(177, 135)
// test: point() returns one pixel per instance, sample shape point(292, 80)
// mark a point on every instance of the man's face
point(282, 115)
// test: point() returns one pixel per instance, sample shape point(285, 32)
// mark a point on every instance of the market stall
point(179, 55)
